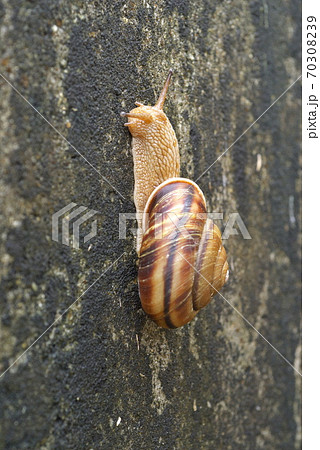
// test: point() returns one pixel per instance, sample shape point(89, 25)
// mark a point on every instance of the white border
point(311, 247)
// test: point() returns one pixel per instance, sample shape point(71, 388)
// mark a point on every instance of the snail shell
point(182, 259)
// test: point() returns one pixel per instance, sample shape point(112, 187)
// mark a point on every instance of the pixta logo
point(74, 217)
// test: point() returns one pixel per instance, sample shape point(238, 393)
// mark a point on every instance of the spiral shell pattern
point(182, 260)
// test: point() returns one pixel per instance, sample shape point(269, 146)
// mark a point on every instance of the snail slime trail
point(180, 268)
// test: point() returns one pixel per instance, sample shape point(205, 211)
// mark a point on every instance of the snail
point(182, 262)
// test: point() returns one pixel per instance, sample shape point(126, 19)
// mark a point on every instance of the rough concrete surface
point(104, 376)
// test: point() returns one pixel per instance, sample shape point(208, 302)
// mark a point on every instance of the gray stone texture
point(215, 383)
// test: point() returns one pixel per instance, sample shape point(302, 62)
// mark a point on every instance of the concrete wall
point(214, 384)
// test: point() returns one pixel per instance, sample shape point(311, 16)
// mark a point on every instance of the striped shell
point(182, 260)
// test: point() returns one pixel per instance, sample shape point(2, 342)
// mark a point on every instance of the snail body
point(155, 151)
point(182, 262)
